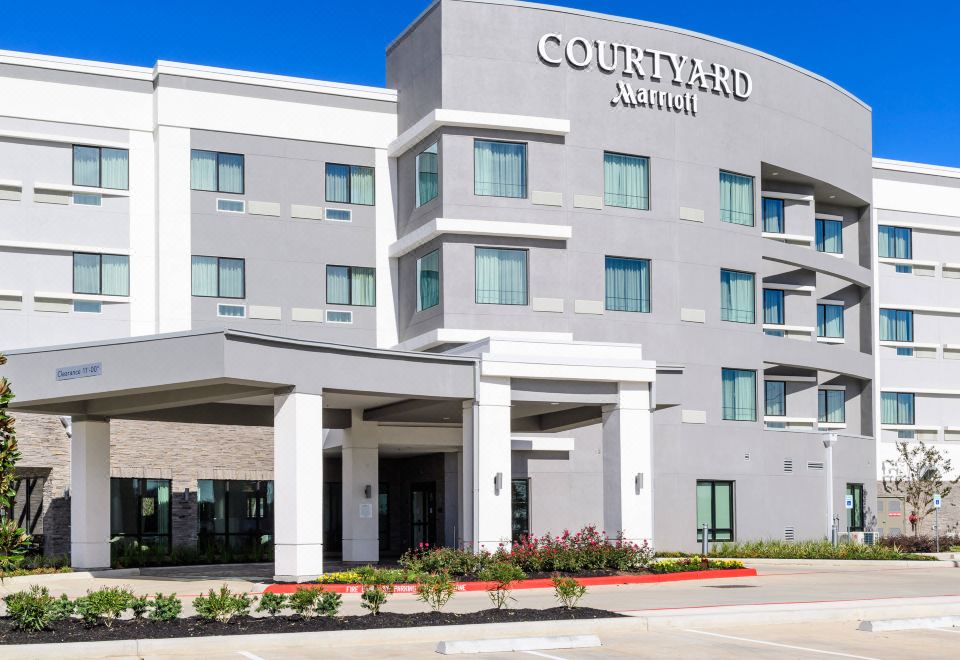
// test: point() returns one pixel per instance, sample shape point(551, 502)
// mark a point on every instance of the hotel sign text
point(647, 64)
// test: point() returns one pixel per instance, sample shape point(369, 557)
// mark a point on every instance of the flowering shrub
point(695, 563)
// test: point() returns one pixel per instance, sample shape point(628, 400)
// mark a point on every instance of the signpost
point(848, 502)
point(937, 502)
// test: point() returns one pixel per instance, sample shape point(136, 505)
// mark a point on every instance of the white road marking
point(783, 646)
point(545, 655)
point(249, 656)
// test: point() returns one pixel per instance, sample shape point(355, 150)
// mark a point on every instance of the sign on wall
point(79, 371)
point(688, 75)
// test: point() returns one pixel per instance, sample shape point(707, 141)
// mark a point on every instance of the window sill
point(106, 192)
point(93, 297)
point(831, 340)
point(798, 239)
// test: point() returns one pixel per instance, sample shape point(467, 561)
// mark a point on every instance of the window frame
point(216, 189)
point(820, 222)
point(526, 168)
point(753, 198)
point(783, 306)
point(649, 292)
point(723, 408)
point(350, 270)
point(515, 537)
point(763, 213)
point(526, 274)
point(264, 495)
point(753, 280)
point(436, 251)
point(649, 203)
point(824, 394)
point(139, 485)
point(210, 256)
point(100, 256)
point(898, 311)
point(416, 181)
point(913, 408)
point(843, 309)
point(350, 167)
point(856, 511)
point(712, 529)
point(766, 397)
point(73, 171)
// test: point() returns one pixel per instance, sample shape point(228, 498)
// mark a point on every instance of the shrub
point(35, 609)
point(694, 563)
point(165, 608)
point(105, 604)
point(503, 575)
point(376, 583)
point(821, 549)
point(139, 606)
point(449, 560)
point(329, 603)
point(435, 590)
point(303, 601)
point(906, 543)
point(568, 591)
point(222, 605)
point(272, 603)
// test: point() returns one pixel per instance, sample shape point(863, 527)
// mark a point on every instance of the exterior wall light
point(497, 482)
point(638, 482)
point(368, 491)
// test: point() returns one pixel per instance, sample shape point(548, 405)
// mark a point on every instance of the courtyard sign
point(646, 63)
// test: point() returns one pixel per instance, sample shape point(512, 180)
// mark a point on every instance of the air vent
point(789, 534)
point(814, 465)
point(746, 457)
point(788, 465)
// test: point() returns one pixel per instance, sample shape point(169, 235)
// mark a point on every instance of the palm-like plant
point(14, 540)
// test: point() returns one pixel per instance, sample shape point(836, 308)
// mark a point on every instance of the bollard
point(705, 548)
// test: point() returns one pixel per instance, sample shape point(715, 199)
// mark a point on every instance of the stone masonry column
point(487, 466)
point(361, 488)
point(298, 486)
point(90, 494)
point(628, 465)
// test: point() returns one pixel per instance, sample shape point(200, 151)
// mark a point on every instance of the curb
point(537, 583)
point(41, 578)
point(884, 625)
point(831, 563)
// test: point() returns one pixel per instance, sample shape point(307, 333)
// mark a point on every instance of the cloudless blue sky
point(899, 57)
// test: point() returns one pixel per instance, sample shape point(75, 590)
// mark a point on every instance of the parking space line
point(249, 656)
point(545, 655)
point(783, 646)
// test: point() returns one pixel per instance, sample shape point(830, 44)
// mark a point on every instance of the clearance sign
point(688, 73)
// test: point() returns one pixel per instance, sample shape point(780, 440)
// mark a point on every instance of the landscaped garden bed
point(887, 550)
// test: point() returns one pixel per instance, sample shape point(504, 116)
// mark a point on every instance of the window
point(855, 515)
point(830, 321)
point(626, 181)
point(897, 408)
point(350, 184)
point(896, 325)
point(428, 170)
point(773, 306)
point(101, 274)
point(351, 285)
point(499, 169)
point(715, 510)
point(140, 512)
point(428, 280)
point(87, 199)
point(231, 205)
point(100, 167)
point(235, 516)
point(216, 172)
point(775, 399)
point(87, 306)
point(338, 215)
point(339, 316)
point(831, 406)
point(736, 198)
point(27, 506)
point(829, 236)
point(218, 277)
point(737, 297)
point(772, 215)
point(501, 276)
point(740, 395)
point(896, 243)
point(627, 284)
point(520, 508)
point(232, 311)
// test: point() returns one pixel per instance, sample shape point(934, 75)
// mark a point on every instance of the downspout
point(829, 440)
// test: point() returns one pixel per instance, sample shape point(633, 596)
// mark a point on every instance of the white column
point(298, 486)
point(628, 465)
point(361, 530)
point(90, 494)
point(486, 466)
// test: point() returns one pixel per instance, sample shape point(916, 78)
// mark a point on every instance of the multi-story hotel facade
point(565, 269)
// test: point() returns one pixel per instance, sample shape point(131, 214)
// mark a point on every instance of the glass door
point(423, 507)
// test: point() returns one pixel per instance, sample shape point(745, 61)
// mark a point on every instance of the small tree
point(918, 473)
point(14, 540)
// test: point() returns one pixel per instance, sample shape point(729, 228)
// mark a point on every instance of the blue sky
point(896, 56)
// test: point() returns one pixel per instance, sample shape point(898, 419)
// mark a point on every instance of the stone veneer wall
point(949, 513)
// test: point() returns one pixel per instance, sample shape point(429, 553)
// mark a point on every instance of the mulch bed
point(74, 630)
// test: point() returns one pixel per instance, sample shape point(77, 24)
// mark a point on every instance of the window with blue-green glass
point(351, 285)
point(428, 280)
point(101, 274)
point(216, 172)
point(626, 181)
point(897, 325)
point(829, 236)
point(831, 406)
point(428, 174)
point(499, 168)
point(896, 243)
point(101, 167)
point(217, 277)
point(501, 276)
point(830, 321)
point(897, 408)
point(773, 215)
point(88, 306)
point(627, 284)
point(739, 395)
point(736, 198)
point(773, 306)
point(737, 297)
point(349, 184)
point(775, 398)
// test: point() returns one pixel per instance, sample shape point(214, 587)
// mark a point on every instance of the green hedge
point(823, 549)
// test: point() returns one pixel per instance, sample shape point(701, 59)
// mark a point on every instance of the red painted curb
point(539, 583)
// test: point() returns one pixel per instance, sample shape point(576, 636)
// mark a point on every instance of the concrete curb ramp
point(517, 644)
point(884, 625)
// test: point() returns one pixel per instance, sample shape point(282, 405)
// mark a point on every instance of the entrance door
point(423, 507)
point(333, 516)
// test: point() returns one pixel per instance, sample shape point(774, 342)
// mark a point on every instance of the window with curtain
point(101, 274)
point(830, 321)
point(773, 215)
point(428, 280)
point(773, 306)
point(428, 174)
point(715, 510)
point(626, 181)
point(896, 243)
point(739, 395)
point(499, 169)
point(351, 285)
point(216, 171)
point(349, 184)
point(140, 512)
point(831, 406)
point(829, 236)
point(855, 515)
point(218, 277)
point(737, 297)
point(736, 198)
point(501, 276)
point(897, 408)
point(775, 399)
point(627, 284)
point(896, 325)
point(101, 167)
